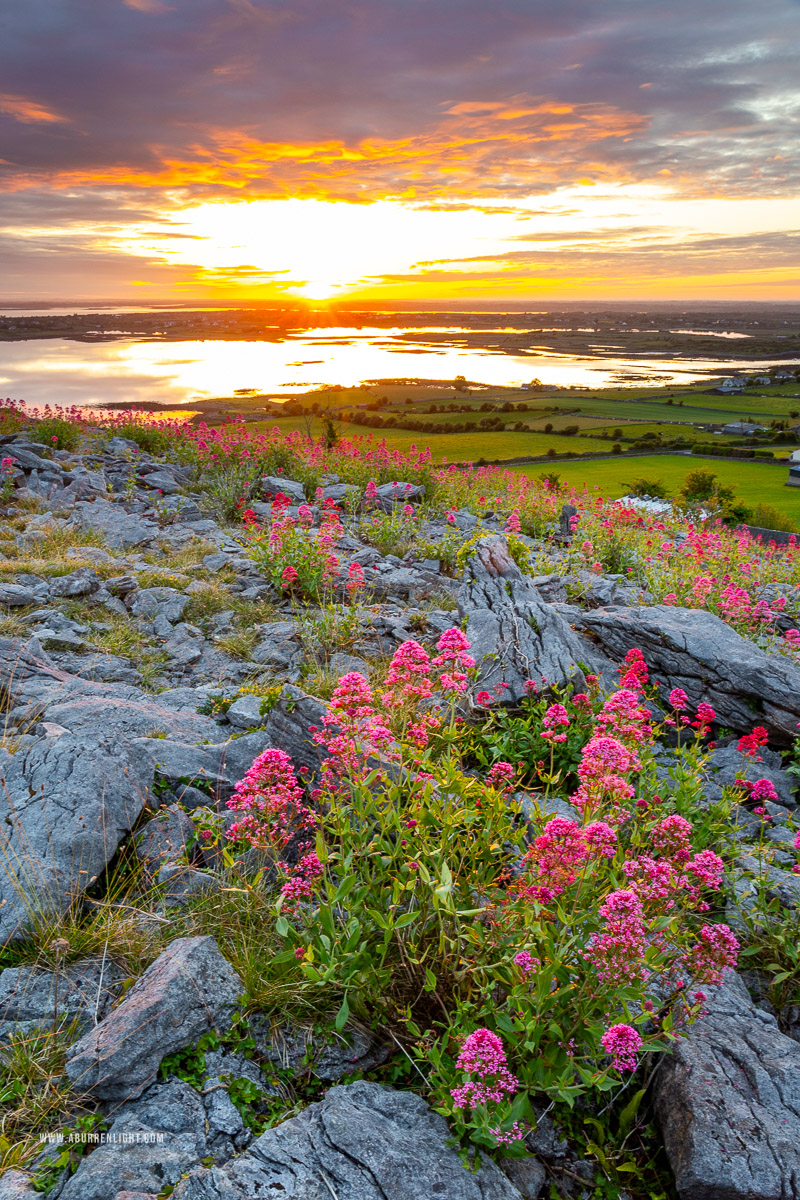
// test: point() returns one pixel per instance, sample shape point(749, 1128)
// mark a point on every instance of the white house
point(762, 380)
point(795, 456)
point(743, 428)
point(731, 383)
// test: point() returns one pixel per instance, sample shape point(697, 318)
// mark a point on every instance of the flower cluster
point(483, 1058)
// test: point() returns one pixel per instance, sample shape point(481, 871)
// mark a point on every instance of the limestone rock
point(728, 1101)
point(65, 805)
point(514, 635)
point(694, 650)
point(361, 1142)
point(189, 989)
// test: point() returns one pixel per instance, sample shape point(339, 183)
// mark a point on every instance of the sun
point(316, 289)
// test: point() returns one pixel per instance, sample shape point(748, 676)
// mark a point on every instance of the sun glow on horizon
point(323, 250)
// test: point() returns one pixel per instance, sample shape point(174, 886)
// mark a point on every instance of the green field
point(754, 482)
point(456, 447)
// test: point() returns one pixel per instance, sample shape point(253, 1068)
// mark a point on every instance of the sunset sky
point(408, 150)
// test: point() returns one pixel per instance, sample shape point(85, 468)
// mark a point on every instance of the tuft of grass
point(214, 597)
point(239, 644)
point(241, 916)
point(188, 558)
point(35, 1095)
point(320, 682)
point(122, 638)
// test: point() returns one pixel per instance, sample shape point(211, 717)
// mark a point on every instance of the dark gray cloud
point(704, 91)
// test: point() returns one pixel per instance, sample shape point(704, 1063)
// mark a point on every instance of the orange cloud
point(27, 111)
point(523, 144)
point(147, 6)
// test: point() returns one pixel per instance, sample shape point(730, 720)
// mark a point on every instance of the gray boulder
point(728, 1101)
point(361, 1142)
point(287, 726)
point(271, 485)
point(82, 582)
point(155, 602)
point(160, 481)
point(121, 529)
point(13, 595)
point(245, 713)
point(291, 1046)
point(80, 991)
point(514, 635)
point(694, 650)
point(65, 805)
point(399, 492)
point(221, 765)
point(189, 989)
point(150, 1143)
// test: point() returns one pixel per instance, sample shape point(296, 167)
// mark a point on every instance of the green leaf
point(626, 1117)
point(342, 1015)
point(281, 927)
point(406, 919)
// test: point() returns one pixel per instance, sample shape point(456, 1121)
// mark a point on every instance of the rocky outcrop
point(65, 805)
point(189, 989)
point(80, 992)
point(694, 650)
point(728, 1101)
point(361, 1142)
point(515, 636)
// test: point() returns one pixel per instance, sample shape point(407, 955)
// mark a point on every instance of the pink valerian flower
point(611, 792)
point(484, 699)
point(355, 578)
point(525, 963)
point(761, 790)
point(515, 1133)
point(715, 952)
point(419, 731)
point(601, 838)
point(272, 802)
point(678, 699)
point(796, 842)
point(371, 491)
point(289, 577)
point(482, 1056)
point(301, 880)
point(555, 716)
point(305, 516)
point(452, 647)
point(708, 869)
point(409, 675)
point(501, 775)
point(623, 1043)
point(556, 857)
point(513, 524)
point(7, 464)
point(624, 717)
point(635, 673)
point(617, 952)
point(352, 730)
point(670, 598)
point(705, 716)
point(670, 838)
point(606, 756)
point(752, 742)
